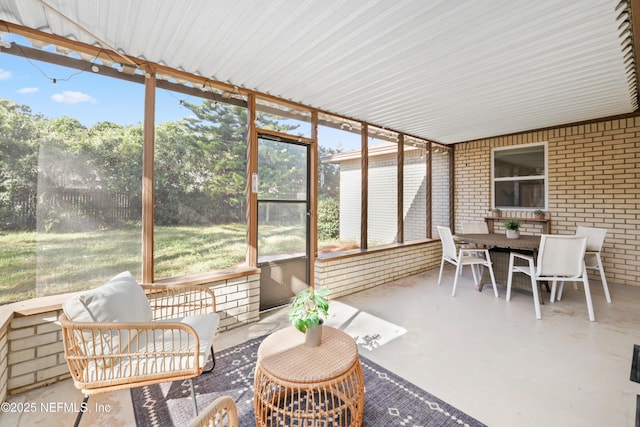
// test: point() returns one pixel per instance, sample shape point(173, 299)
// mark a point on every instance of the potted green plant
point(513, 228)
point(539, 214)
point(308, 311)
point(496, 212)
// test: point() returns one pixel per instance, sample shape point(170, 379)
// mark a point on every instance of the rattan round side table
point(308, 386)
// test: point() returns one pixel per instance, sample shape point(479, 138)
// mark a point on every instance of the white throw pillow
point(120, 300)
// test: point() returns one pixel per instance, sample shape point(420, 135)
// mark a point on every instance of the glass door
point(283, 219)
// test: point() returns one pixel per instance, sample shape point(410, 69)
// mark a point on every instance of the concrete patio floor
point(488, 357)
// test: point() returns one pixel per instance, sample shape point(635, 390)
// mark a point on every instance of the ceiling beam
point(110, 55)
point(67, 43)
point(130, 64)
point(69, 62)
point(82, 65)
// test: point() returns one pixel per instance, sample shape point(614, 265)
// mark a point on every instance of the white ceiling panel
point(447, 71)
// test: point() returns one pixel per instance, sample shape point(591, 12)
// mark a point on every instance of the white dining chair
point(466, 256)
point(560, 259)
point(475, 228)
point(593, 260)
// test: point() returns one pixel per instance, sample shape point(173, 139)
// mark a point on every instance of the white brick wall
point(383, 199)
point(593, 181)
point(4, 363)
point(347, 274)
point(350, 197)
point(440, 189)
point(415, 196)
point(36, 355)
point(237, 300)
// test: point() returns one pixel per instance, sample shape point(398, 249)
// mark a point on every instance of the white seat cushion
point(143, 362)
point(205, 326)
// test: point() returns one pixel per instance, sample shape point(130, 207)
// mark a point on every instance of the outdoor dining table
point(496, 240)
point(500, 246)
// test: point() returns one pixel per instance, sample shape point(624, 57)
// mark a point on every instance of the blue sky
point(91, 98)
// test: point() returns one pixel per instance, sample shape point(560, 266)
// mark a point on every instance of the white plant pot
point(513, 234)
point(313, 336)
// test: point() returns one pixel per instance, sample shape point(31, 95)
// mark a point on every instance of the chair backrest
point(595, 237)
point(475, 228)
point(221, 412)
point(448, 245)
point(561, 255)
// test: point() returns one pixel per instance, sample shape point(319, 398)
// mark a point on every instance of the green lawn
point(38, 264)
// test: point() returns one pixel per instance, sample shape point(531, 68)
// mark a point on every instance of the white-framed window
point(519, 177)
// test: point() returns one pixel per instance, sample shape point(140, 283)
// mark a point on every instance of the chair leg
point(553, 291)
point(604, 279)
point(81, 411)
point(493, 279)
point(534, 289)
point(560, 289)
point(536, 298)
point(213, 362)
point(193, 396)
point(455, 280)
point(510, 278)
point(480, 284)
point(441, 268)
point(475, 273)
point(587, 292)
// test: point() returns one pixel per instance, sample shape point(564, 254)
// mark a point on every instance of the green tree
point(201, 164)
point(20, 132)
point(282, 168)
point(116, 156)
point(328, 218)
point(96, 166)
point(329, 173)
point(178, 180)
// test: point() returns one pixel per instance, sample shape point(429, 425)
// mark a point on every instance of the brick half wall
point(354, 272)
point(31, 351)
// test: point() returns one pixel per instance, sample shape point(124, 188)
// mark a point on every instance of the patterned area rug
point(389, 400)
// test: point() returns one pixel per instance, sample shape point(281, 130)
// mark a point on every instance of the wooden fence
point(107, 207)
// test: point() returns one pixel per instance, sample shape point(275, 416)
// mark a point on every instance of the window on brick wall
point(520, 177)
point(415, 183)
point(339, 184)
point(383, 187)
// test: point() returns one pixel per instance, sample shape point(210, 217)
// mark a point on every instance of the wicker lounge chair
point(124, 335)
point(222, 412)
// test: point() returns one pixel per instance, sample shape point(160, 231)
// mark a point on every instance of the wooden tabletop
point(500, 241)
point(284, 355)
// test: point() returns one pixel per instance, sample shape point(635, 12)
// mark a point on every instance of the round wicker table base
point(284, 398)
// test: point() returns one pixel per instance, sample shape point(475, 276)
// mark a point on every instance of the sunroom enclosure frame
point(234, 286)
point(471, 202)
point(150, 71)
